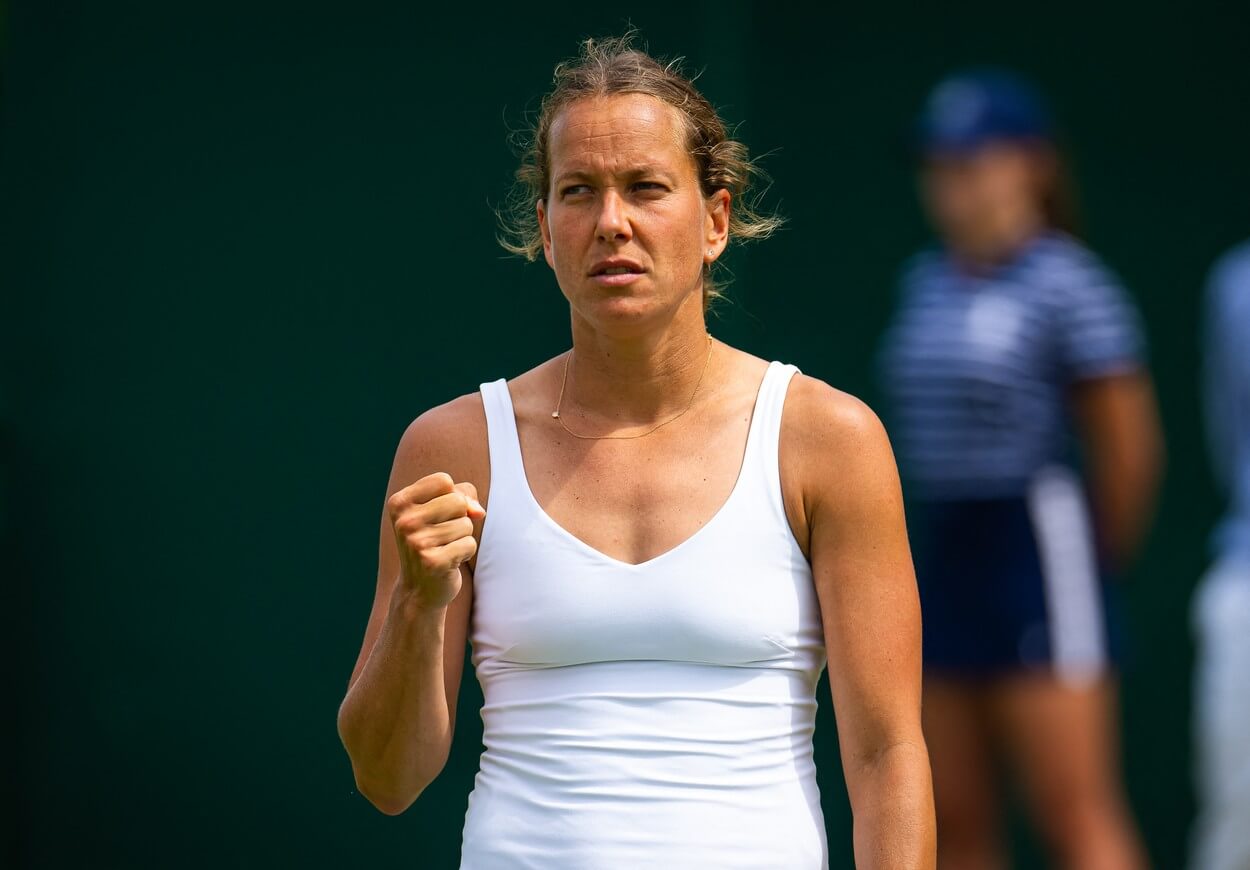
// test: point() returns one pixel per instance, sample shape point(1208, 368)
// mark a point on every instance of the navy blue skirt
point(1013, 585)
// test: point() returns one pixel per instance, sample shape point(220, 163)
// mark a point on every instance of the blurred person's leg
point(1221, 614)
point(964, 786)
point(1062, 741)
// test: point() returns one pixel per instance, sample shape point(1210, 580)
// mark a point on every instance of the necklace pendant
point(555, 415)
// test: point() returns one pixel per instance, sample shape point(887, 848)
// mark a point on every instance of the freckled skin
point(624, 185)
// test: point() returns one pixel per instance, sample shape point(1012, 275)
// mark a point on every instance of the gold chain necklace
point(565, 379)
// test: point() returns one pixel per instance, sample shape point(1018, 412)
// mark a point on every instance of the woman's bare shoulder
point(450, 437)
point(818, 413)
point(833, 445)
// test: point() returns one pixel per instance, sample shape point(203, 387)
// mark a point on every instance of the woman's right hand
point(433, 520)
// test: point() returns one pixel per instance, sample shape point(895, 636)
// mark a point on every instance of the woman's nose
point(613, 218)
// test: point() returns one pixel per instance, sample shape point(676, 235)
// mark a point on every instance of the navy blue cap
point(975, 107)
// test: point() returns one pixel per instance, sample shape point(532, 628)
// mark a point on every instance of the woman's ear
point(540, 206)
point(717, 224)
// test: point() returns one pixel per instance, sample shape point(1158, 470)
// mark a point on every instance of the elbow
point(897, 771)
point(910, 750)
point(390, 804)
point(390, 783)
point(389, 797)
point(392, 787)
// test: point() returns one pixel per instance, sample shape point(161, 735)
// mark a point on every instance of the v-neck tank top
point(645, 715)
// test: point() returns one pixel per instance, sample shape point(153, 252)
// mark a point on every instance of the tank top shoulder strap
point(765, 435)
point(507, 471)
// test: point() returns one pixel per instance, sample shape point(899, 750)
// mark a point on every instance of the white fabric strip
point(1070, 572)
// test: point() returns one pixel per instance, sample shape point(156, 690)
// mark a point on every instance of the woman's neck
point(636, 378)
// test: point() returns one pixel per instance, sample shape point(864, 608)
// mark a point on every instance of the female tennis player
point(653, 542)
point(1011, 343)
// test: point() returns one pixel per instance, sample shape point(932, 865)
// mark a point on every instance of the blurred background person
point(1027, 432)
point(1221, 608)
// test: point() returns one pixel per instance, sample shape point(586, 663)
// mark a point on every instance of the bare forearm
point(1124, 485)
point(394, 722)
point(1123, 440)
point(892, 800)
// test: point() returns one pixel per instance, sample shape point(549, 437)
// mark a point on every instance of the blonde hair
point(610, 66)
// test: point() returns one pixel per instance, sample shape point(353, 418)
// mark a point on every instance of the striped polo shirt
point(977, 368)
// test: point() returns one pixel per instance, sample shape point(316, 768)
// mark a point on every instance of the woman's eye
point(574, 189)
point(649, 186)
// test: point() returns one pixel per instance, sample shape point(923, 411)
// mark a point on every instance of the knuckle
point(412, 542)
point(395, 505)
point(407, 524)
point(442, 480)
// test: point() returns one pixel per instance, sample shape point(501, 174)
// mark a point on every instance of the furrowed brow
point(645, 169)
point(573, 175)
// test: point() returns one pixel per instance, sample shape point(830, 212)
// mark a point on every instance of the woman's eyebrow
point(645, 169)
point(631, 173)
point(572, 174)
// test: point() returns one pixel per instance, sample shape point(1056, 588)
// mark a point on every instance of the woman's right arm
point(397, 719)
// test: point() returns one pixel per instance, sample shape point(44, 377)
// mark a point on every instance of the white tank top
point(650, 715)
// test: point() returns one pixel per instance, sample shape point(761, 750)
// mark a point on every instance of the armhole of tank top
point(776, 387)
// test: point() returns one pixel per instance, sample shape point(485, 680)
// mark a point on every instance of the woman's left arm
point(845, 502)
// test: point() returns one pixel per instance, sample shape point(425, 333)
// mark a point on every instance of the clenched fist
point(433, 522)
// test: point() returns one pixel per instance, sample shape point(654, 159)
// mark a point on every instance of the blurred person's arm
point(1226, 393)
point(845, 502)
point(1102, 348)
point(1225, 342)
point(1123, 442)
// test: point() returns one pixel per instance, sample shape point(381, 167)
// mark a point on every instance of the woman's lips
point(615, 280)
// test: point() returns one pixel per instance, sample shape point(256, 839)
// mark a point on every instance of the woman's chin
point(629, 315)
point(618, 308)
point(628, 311)
point(638, 300)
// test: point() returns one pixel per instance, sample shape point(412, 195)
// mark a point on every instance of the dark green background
point(246, 243)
